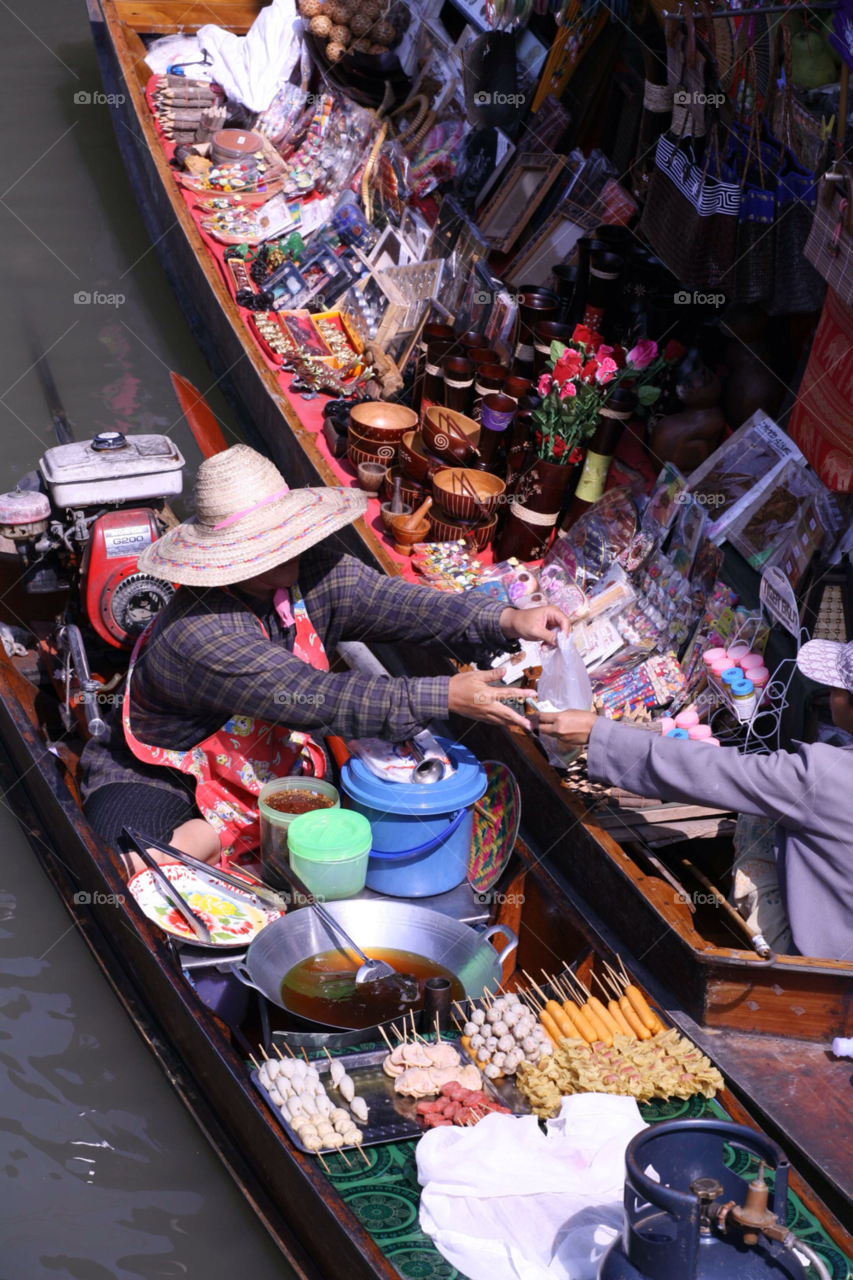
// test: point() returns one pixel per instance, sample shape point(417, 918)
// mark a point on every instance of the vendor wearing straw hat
point(805, 794)
point(231, 684)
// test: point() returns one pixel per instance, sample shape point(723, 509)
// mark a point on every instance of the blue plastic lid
point(677, 733)
point(732, 675)
point(466, 785)
point(742, 687)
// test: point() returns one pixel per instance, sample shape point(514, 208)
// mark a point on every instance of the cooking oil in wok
point(323, 988)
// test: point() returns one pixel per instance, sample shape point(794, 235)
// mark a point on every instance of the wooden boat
point(703, 971)
point(318, 1220)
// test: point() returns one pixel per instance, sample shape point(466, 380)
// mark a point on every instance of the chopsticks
point(184, 909)
point(237, 882)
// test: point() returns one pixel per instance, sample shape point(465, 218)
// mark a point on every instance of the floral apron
point(232, 765)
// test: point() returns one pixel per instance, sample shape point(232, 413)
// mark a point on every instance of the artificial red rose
point(596, 340)
point(641, 356)
point(589, 370)
point(603, 352)
point(568, 365)
point(544, 384)
point(673, 351)
point(558, 448)
point(582, 334)
point(567, 390)
point(606, 370)
point(575, 455)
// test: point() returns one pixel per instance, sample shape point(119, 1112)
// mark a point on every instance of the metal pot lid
point(464, 787)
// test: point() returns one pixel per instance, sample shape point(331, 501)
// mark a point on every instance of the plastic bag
point(564, 686)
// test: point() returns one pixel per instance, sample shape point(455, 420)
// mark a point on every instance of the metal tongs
point(261, 892)
point(180, 904)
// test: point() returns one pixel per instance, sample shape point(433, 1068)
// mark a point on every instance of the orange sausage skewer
point(638, 1001)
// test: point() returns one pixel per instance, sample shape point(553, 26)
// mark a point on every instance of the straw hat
point(247, 521)
point(828, 662)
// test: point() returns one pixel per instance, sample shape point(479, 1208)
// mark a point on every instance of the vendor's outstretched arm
point(780, 786)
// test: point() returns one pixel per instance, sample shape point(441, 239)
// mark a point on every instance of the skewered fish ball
point(346, 1088)
point(490, 1071)
point(478, 1016)
point(339, 35)
point(512, 1017)
point(320, 26)
point(264, 1076)
point(339, 1117)
point(276, 1097)
point(506, 1044)
point(498, 1060)
point(477, 1041)
point(359, 1109)
point(273, 1068)
point(470, 1029)
point(324, 1106)
point(499, 1028)
point(546, 1049)
point(529, 1045)
point(492, 1043)
point(296, 1105)
point(337, 1071)
point(493, 1016)
point(312, 1141)
point(309, 1104)
point(334, 52)
point(483, 1055)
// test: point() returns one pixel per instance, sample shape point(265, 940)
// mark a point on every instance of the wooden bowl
point(379, 451)
point(385, 512)
point(410, 491)
point(445, 528)
point(455, 499)
point(404, 539)
point(371, 476)
point(383, 422)
point(440, 438)
point(416, 461)
point(357, 456)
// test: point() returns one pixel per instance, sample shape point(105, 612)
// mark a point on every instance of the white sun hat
point(828, 662)
point(247, 521)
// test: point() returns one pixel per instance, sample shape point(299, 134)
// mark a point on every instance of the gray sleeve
point(780, 786)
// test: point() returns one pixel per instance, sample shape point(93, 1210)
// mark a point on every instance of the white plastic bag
point(563, 686)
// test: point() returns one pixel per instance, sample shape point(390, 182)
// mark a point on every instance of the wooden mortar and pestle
point(408, 530)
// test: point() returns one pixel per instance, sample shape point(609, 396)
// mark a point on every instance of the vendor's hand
point(534, 624)
point(571, 728)
point(478, 695)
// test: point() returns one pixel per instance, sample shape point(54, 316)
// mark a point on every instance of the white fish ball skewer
point(359, 1108)
point(346, 1088)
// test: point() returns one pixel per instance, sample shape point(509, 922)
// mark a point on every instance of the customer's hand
point(534, 624)
point(571, 728)
point(479, 696)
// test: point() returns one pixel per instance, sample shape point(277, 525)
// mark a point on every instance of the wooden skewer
point(613, 974)
point(456, 1024)
point(437, 1030)
point(596, 978)
point(305, 1056)
point(343, 1157)
point(384, 1036)
point(278, 1051)
point(585, 989)
point(363, 1154)
point(254, 1059)
point(262, 1051)
point(323, 1163)
point(625, 976)
point(612, 985)
point(484, 813)
point(536, 986)
point(461, 1010)
point(487, 997)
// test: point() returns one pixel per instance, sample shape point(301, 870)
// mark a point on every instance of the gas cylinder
point(696, 1219)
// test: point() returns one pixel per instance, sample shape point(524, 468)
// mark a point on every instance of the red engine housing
point(119, 599)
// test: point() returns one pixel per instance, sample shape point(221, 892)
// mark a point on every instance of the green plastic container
point(329, 849)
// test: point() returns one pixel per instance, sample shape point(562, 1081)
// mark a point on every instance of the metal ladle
point(425, 771)
point(369, 970)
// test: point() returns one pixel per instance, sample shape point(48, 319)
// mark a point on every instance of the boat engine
point(91, 523)
point(702, 1219)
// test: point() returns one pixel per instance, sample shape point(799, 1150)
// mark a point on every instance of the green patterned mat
point(385, 1195)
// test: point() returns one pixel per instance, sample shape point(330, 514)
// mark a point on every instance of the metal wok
point(398, 925)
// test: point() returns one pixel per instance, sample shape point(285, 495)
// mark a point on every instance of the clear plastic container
point(329, 850)
point(275, 824)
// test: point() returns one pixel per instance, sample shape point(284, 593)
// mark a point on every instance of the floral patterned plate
point(233, 917)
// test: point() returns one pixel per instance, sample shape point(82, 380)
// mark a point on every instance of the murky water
point(102, 1172)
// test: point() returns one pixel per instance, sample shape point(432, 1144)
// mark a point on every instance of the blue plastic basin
point(421, 832)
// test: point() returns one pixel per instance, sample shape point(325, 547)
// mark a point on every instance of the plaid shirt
point(207, 659)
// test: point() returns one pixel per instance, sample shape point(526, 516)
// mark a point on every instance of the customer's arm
point(780, 786)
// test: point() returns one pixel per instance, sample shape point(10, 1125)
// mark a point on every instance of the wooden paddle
point(206, 430)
